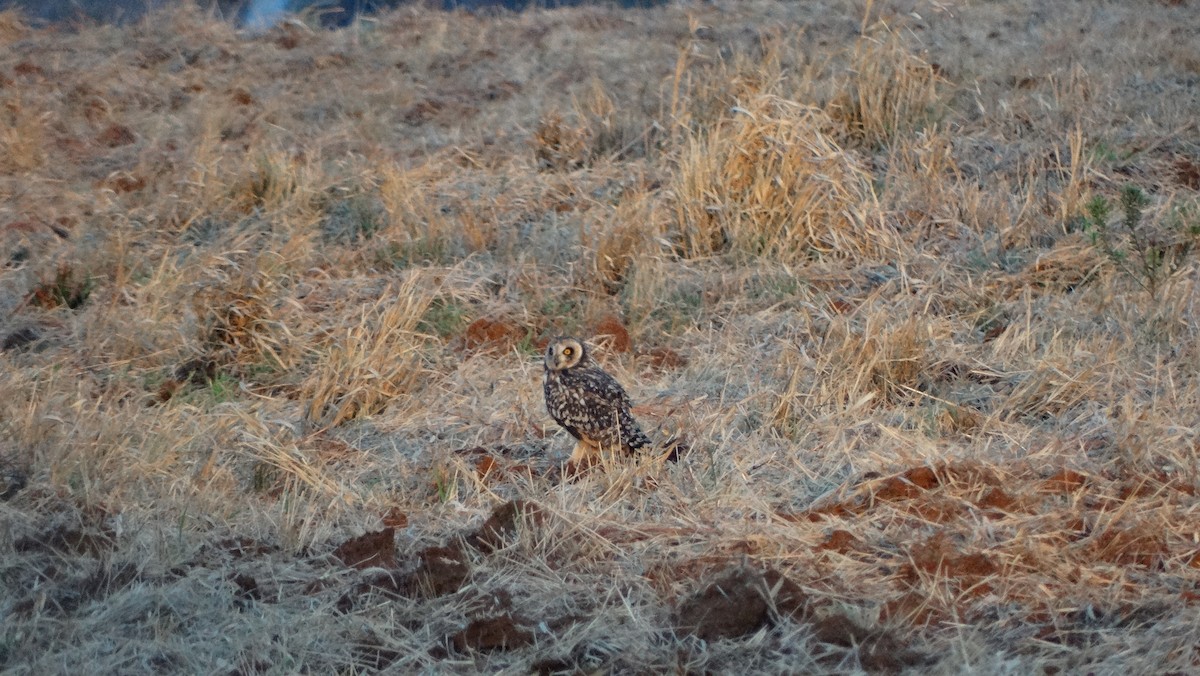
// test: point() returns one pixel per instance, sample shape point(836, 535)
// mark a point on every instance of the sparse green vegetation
point(1150, 254)
point(272, 309)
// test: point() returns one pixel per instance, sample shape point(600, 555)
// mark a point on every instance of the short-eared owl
point(588, 402)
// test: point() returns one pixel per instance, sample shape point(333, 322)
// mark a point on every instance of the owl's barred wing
point(591, 405)
point(610, 421)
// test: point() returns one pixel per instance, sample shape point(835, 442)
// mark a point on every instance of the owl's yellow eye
point(567, 352)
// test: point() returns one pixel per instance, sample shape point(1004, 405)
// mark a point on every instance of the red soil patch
point(370, 550)
point(395, 518)
point(502, 632)
point(126, 183)
point(907, 485)
point(1064, 481)
point(62, 540)
point(611, 329)
point(503, 522)
point(116, 135)
point(247, 587)
point(1187, 173)
point(914, 608)
point(27, 68)
point(1155, 486)
point(939, 556)
point(840, 541)
point(840, 307)
point(1131, 546)
point(937, 509)
point(790, 598)
point(877, 651)
point(740, 601)
point(665, 359)
point(491, 334)
point(997, 499)
point(440, 571)
point(994, 332)
point(485, 466)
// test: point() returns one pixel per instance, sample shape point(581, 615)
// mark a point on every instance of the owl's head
point(563, 353)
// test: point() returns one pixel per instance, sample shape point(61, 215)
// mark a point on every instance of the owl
point(588, 402)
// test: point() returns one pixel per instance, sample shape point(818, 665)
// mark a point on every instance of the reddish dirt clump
point(878, 652)
point(503, 522)
point(665, 359)
point(1131, 546)
point(939, 556)
point(739, 601)
point(491, 334)
point(840, 541)
point(913, 608)
point(485, 466)
point(370, 550)
point(1187, 173)
point(395, 518)
point(611, 329)
point(440, 571)
point(997, 499)
point(502, 632)
point(126, 183)
point(116, 135)
point(908, 485)
point(1064, 481)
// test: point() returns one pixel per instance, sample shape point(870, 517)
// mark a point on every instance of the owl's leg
point(582, 458)
point(584, 451)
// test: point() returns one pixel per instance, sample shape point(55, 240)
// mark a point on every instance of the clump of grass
point(268, 185)
point(1149, 254)
point(23, 134)
point(353, 219)
point(663, 296)
point(771, 180)
point(611, 130)
point(419, 230)
point(559, 145)
point(444, 317)
point(367, 364)
point(238, 320)
point(624, 238)
point(889, 91)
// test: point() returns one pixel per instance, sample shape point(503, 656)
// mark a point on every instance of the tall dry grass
point(770, 180)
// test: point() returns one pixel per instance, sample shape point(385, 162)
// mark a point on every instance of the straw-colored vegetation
point(916, 282)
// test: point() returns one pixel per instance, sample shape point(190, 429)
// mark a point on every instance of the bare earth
point(271, 310)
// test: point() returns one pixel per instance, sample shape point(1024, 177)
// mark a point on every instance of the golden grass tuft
point(770, 180)
point(427, 221)
point(889, 91)
point(11, 25)
point(24, 133)
point(630, 234)
point(365, 366)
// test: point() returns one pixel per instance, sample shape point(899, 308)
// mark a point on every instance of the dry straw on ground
point(271, 309)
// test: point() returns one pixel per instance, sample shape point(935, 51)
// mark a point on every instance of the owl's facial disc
point(562, 354)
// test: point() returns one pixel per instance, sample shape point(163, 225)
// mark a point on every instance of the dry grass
point(271, 310)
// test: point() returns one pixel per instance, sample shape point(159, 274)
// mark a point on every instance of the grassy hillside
point(915, 282)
